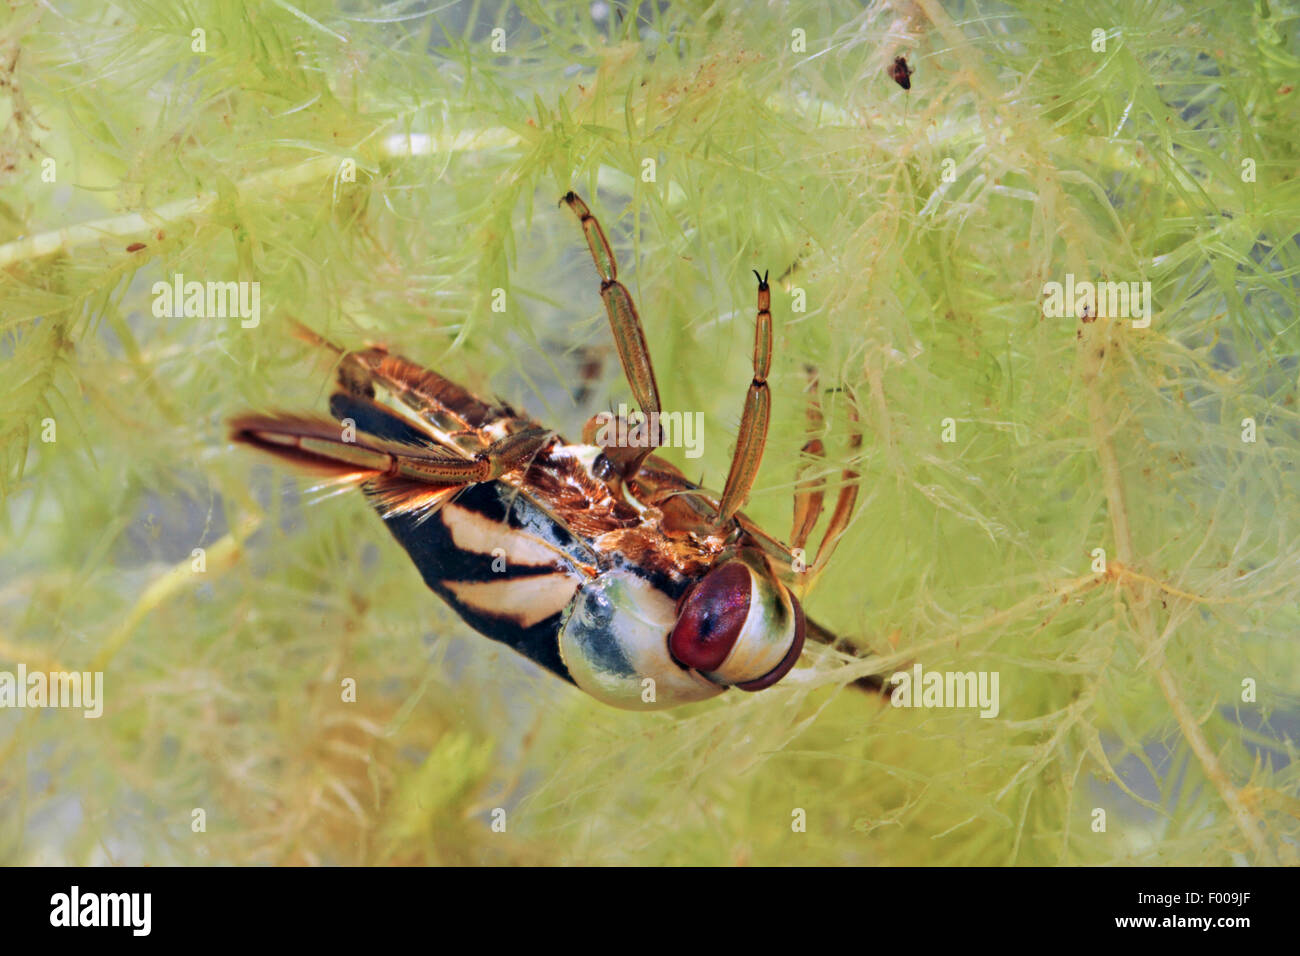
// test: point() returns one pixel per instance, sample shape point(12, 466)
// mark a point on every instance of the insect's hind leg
point(316, 443)
point(872, 683)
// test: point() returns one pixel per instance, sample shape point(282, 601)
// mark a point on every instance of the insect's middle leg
point(629, 336)
point(752, 437)
point(625, 440)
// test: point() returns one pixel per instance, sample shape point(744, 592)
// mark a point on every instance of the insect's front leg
point(809, 494)
point(809, 499)
point(847, 499)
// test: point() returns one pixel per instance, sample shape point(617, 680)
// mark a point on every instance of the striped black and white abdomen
point(504, 565)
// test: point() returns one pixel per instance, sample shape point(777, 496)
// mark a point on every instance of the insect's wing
point(394, 494)
point(373, 419)
point(436, 407)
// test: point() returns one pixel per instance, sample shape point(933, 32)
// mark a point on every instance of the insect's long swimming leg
point(873, 683)
point(629, 336)
point(752, 437)
point(320, 444)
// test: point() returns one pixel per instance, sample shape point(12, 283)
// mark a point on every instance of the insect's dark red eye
point(711, 618)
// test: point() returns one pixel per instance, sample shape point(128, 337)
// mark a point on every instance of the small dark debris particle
point(135, 247)
point(901, 72)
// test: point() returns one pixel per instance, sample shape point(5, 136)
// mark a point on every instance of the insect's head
point(739, 626)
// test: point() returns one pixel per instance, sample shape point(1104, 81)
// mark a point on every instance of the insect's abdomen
point(501, 563)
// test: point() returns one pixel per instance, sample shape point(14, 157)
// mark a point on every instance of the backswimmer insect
point(619, 574)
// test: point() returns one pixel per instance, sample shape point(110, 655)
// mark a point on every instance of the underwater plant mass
point(673, 434)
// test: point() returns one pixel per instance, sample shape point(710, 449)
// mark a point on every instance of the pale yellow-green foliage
point(778, 142)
